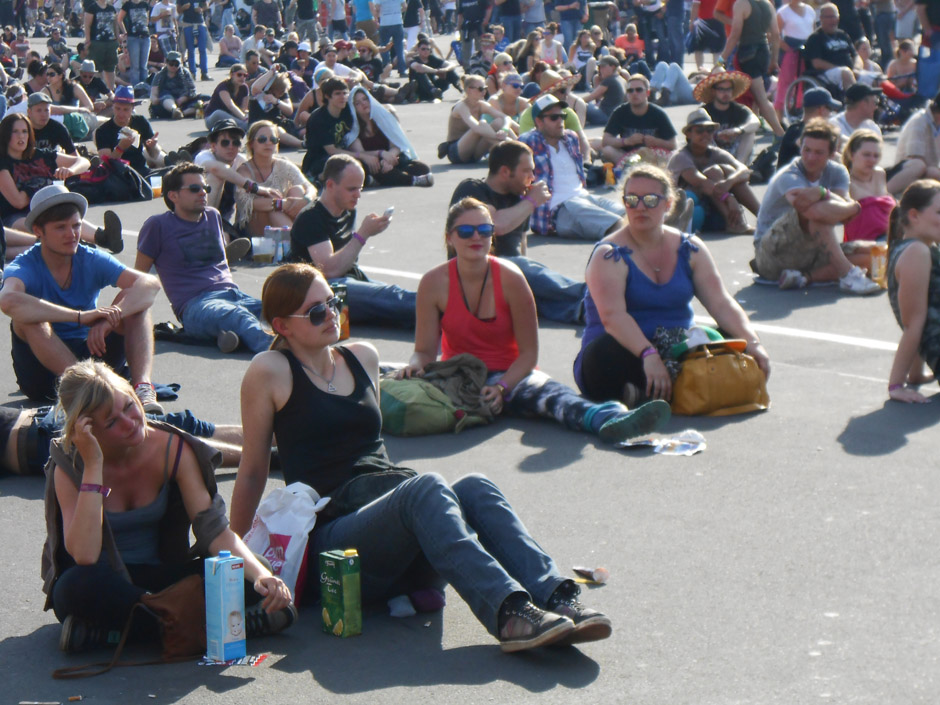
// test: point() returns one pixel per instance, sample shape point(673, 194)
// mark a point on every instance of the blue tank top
point(652, 305)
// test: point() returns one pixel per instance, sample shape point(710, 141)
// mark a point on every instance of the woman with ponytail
point(914, 288)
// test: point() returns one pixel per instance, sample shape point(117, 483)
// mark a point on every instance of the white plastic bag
point(280, 529)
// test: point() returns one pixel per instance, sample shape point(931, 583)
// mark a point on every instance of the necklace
point(643, 254)
point(260, 172)
point(68, 279)
point(329, 382)
point(486, 276)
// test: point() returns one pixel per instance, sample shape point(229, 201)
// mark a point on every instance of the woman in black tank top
point(321, 400)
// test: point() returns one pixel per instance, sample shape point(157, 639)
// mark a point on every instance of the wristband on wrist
point(78, 317)
point(822, 193)
point(647, 351)
point(531, 200)
point(892, 387)
point(725, 196)
point(359, 237)
point(98, 489)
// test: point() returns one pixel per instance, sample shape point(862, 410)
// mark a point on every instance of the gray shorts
point(587, 217)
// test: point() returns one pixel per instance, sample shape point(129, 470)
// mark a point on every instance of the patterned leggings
point(539, 395)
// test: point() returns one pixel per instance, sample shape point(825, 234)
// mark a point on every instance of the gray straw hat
point(49, 196)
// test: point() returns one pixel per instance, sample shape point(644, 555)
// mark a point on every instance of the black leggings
point(100, 595)
point(606, 366)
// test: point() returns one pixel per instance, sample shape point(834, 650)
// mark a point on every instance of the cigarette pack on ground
point(225, 607)
point(340, 592)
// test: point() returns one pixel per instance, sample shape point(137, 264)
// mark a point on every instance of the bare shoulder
point(510, 273)
point(366, 353)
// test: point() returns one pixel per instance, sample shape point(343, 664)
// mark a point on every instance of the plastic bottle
point(879, 264)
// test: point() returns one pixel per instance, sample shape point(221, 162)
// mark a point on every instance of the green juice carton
point(225, 607)
point(339, 592)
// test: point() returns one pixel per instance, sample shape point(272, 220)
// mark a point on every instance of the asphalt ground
point(793, 561)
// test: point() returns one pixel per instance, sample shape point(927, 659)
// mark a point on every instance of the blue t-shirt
point(92, 270)
point(189, 257)
point(363, 11)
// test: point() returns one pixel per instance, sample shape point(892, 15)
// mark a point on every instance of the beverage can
point(340, 592)
point(225, 607)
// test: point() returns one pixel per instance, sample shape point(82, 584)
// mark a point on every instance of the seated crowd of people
point(524, 104)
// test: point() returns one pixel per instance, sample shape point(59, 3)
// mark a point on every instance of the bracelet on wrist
point(78, 317)
point(357, 236)
point(502, 385)
point(892, 387)
point(531, 200)
point(647, 351)
point(97, 489)
point(725, 196)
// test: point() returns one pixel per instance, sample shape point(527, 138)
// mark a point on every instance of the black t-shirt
point(190, 14)
point(473, 12)
point(372, 69)
point(29, 175)
point(510, 8)
point(509, 244)
point(305, 10)
point(435, 62)
point(102, 25)
point(933, 11)
point(655, 122)
point(107, 137)
point(316, 225)
point(835, 48)
point(410, 18)
point(137, 18)
point(55, 135)
point(324, 129)
point(95, 88)
point(735, 115)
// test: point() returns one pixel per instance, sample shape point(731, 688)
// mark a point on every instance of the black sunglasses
point(264, 138)
point(196, 188)
point(636, 90)
point(649, 200)
point(226, 143)
point(317, 312)
point(175, 64)
point(554, 116)
point(465, 232)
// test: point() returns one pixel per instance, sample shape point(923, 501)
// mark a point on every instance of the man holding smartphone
point(326, 236)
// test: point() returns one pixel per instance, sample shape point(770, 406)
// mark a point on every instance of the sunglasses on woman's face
point(196, 188)
point(264, 139)
point(317, 312)
point(51, 74)
point(229, 143)
point(514, 85)
point(649, 200)
point(240, 74)
point(465, 232)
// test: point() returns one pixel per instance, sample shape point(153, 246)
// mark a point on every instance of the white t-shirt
point(164, 26)
point(566, 182)
point(846, 129)
point(795, 26)
point(204, 159)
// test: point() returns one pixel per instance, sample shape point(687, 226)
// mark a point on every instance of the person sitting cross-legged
point(51, 294)
point(187, 247)
point(796, 242)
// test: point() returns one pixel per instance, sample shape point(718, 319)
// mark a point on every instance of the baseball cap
point(36, 99)
point(123, 94)
point(860, 91)
point(544, 103)
point(816, 97)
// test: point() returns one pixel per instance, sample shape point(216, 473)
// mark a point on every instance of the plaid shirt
point(543, 219)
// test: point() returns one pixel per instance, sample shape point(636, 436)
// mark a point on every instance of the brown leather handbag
point(718, 379)
point(181, 612)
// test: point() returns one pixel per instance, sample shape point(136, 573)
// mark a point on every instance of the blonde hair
point(253, 131)
point(84, 388)
point(653, 173)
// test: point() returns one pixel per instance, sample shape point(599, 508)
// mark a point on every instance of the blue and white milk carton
point(225, 607)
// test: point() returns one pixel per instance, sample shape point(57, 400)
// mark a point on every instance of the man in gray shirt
point(796, 242)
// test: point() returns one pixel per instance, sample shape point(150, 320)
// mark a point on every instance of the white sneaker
point(148, 398)
point(855, 282)
point(792, 279)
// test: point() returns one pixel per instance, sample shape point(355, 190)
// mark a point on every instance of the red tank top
point(493, 340)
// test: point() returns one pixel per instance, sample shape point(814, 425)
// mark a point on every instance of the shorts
point(713, 40)
point(104, 54)
point(753, 59)
point(787, 246)
point(453, 154)
point(38, 383)
point(587, 217)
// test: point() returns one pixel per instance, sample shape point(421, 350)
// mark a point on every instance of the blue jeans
point(513, 26)
point(197, 34)
point(569, 30)
point(219, 115)
point(139, 50)
point(227, 309)
point(228, 17)
point(396, 32)
point(375, 303)
point(595, 116)
point(676, 20)
point(884, 28)
point(466, 532)
point(557, 297)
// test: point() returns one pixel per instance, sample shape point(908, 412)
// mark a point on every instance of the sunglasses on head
point(196, 188)
point(263, 139)
point(317, 312)
point(227, 143)
point(649, 200)
point(465, 232)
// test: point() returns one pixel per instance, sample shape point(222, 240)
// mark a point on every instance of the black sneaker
point(525, 626)
point(110, 236)
point(78, 635)
point(589, 625)
point(259, 623)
